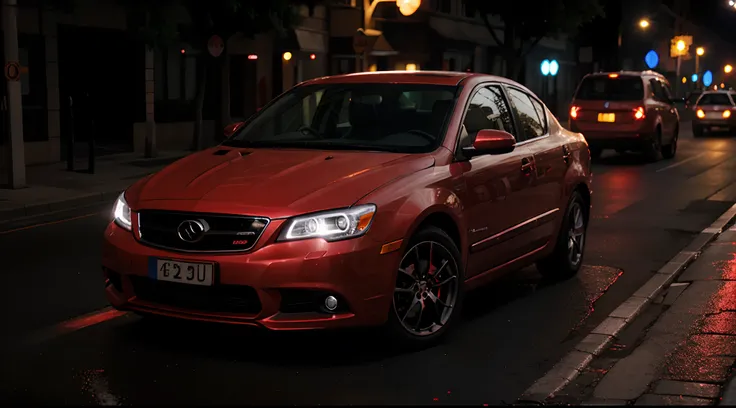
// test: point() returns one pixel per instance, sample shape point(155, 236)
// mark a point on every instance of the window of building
point(444, 6)
point(531, 124)
point(175, 75)
point(467, 11)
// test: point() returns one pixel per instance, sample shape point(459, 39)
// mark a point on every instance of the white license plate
point(183, 272)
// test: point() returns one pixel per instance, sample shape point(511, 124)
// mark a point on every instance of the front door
point(543, 199)
point(494, 185)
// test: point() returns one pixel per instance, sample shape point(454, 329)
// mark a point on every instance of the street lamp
point(681, 45)
point(728, 68)
point(406, 7)
point(699, 52)
point(644, 23)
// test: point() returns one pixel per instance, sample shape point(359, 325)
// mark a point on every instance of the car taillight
point(574, 112)
point(639, 113)
point(700, 113)
point(727, 114)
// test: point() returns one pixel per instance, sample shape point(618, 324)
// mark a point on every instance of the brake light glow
point(639, 113)
point(613, 75)
point(727, 114)
point(700, 114)
point(574, 112)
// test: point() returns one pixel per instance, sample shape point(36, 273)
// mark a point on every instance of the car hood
point(271, 182)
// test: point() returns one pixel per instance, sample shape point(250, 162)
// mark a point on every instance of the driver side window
point(488, 110)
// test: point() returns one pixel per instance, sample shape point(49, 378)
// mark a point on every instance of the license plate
point(192, 273)
point(607, 117)
point(718, 128)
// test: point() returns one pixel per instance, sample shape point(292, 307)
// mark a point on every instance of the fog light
point(331, 303)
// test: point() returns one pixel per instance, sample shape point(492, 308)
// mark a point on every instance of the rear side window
point(715, 99)
point(622, 88)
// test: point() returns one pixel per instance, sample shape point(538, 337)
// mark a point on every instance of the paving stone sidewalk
point(680, 350)
point(52, 188)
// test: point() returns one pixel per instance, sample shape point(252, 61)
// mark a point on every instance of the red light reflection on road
point(86, 321)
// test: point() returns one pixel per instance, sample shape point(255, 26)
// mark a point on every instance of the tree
point(159, 26)
point(525, 23)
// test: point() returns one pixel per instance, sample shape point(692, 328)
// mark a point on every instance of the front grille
point(214, 299)
point(223, 233)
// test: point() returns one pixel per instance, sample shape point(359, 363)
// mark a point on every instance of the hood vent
point(221, 152)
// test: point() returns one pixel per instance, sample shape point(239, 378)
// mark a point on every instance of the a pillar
point(16, 147)
point(150, 141)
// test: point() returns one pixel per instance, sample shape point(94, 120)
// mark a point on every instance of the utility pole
point(15, 148)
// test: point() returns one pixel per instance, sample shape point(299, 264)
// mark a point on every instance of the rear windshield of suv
point(623, 88)
point(715, 99)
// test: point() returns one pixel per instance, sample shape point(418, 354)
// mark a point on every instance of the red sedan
point(356, 200)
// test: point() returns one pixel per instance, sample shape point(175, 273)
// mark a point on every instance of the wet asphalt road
point(513, 331)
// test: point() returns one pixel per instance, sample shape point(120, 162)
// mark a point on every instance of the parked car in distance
point(369, 199)
point(715, 111)
point(625, 111)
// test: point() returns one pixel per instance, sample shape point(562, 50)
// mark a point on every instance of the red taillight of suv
point(574, 112)
point(639, 113)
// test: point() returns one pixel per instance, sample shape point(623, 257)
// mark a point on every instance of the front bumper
point(279, 286)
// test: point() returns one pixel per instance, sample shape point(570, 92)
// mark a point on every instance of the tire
point(697, 131)
point(404, 315)
point(653, 148)
point(670, 150)
point(595, 153)
point(563, 263)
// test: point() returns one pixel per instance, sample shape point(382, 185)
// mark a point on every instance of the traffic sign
point(215, 45)
point(12, 71)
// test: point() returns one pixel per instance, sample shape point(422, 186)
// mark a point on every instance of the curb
point(30, 210)
point(601, 337)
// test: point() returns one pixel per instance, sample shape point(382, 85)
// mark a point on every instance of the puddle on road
point(596, 280)
point(95, 382)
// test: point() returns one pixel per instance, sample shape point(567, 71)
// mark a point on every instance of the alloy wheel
point(426, 288)
point(576, 235)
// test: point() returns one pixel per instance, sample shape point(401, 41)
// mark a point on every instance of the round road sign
point(215, 45)
point(12, 71)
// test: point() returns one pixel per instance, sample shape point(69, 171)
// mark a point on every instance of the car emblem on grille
point(192, 230)
point(605, 105)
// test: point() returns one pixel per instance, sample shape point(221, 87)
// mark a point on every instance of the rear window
point(611, 89)
point(715, 99)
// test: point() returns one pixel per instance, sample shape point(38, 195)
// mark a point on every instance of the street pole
point(677, 80)
point(15, 149)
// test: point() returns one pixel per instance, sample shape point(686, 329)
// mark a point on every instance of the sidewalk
point(680, 350)
point(52, 188)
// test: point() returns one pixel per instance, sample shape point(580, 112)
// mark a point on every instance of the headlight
point(121, 213)
point(330, 225)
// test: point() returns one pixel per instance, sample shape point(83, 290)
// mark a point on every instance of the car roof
point(628, 73)
point(405, 77)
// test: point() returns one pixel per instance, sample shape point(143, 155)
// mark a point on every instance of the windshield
point(622, 88)
point(715, 99)
point(402, 118)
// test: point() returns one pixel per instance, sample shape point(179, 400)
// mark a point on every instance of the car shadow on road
point(625, 159)
point(297, 348)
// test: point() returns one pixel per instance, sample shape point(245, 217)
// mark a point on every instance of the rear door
point(662, 104)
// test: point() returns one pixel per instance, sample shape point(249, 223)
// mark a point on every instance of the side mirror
point(491, 141)
point(232, 128)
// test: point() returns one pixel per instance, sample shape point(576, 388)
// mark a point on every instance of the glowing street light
point(643, 23)
point(681, 46)
point(700, 51)
point(408, 7)
point(728, 68)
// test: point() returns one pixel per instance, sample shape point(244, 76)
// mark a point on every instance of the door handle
point(526, 165)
